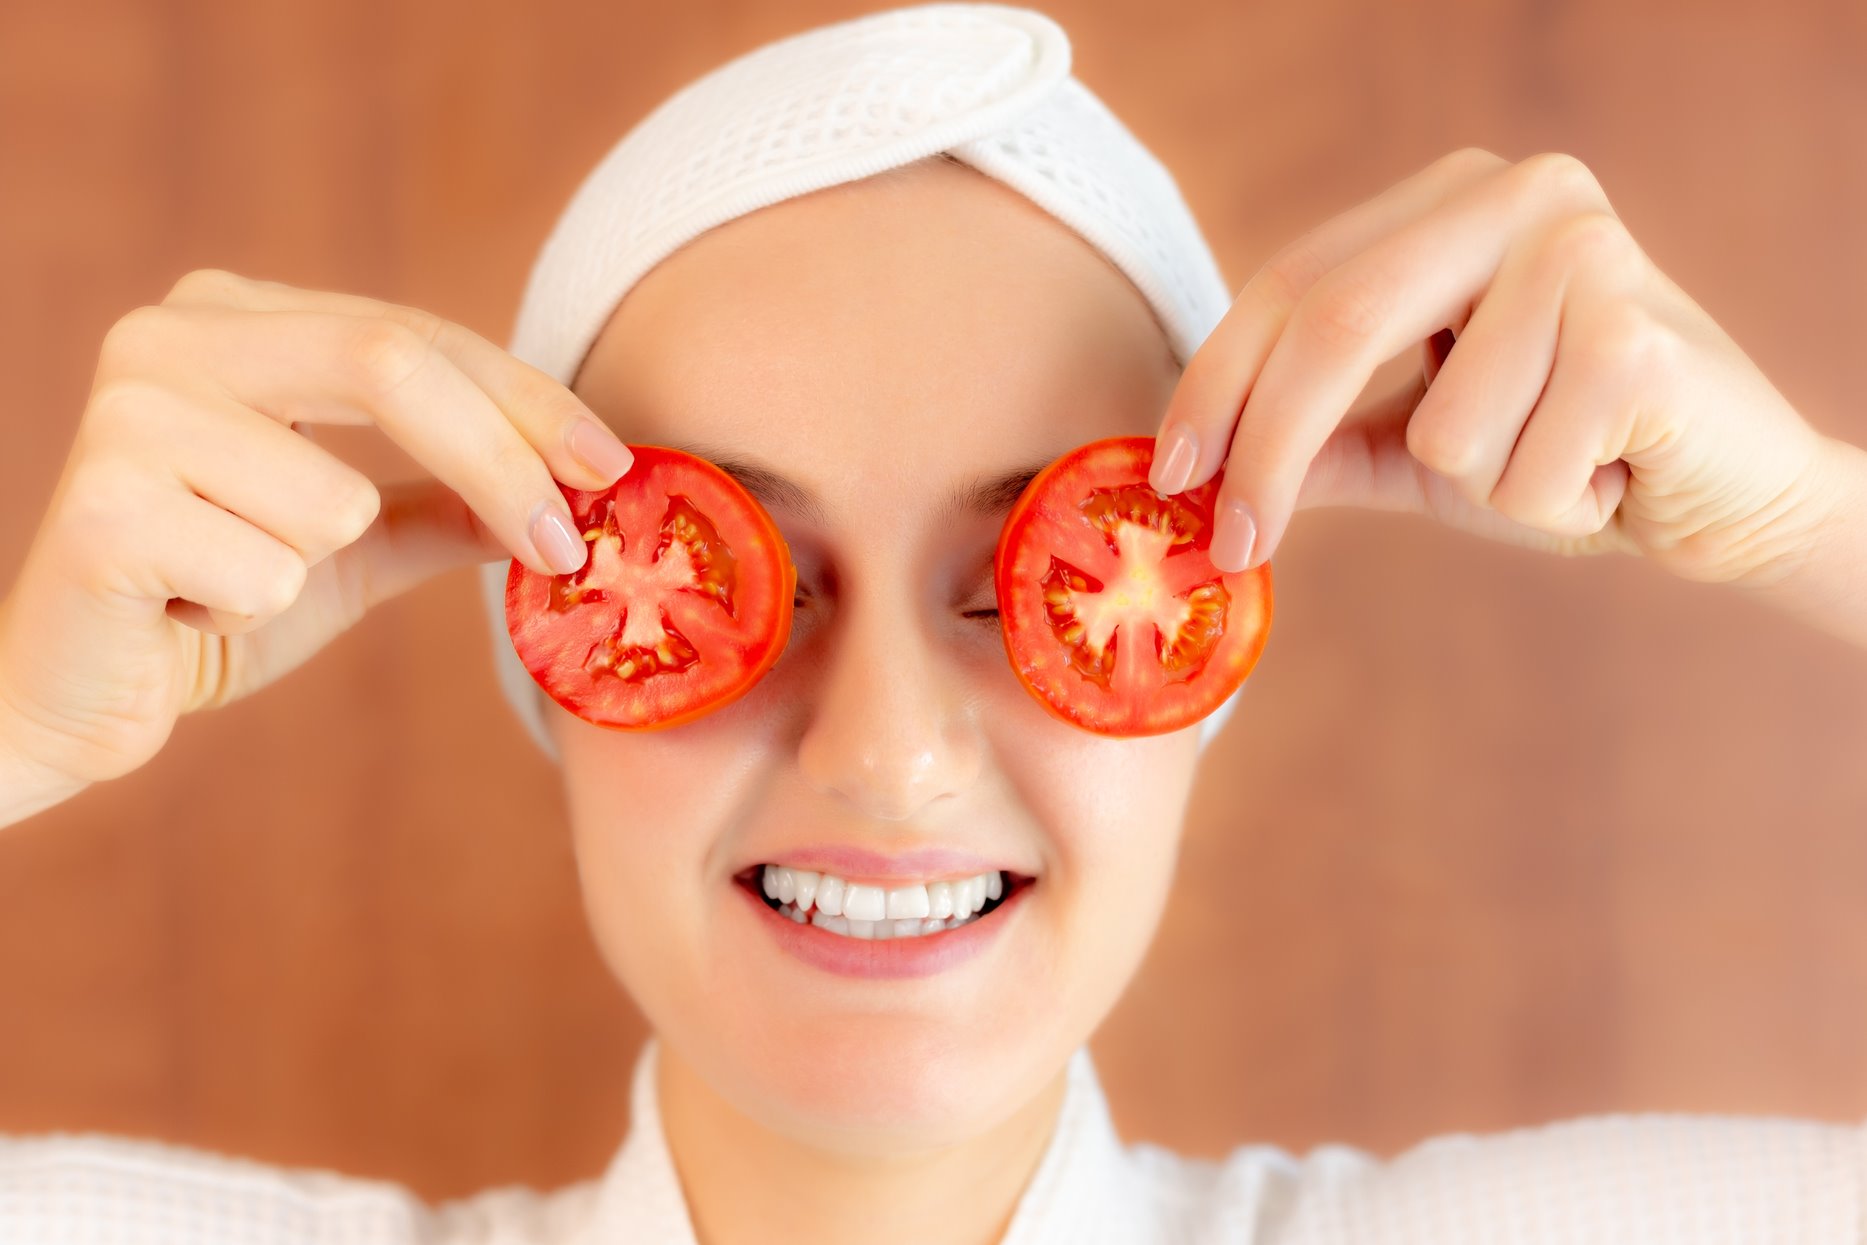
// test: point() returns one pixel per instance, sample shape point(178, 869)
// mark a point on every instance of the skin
point(863, 342)
point(882, 343)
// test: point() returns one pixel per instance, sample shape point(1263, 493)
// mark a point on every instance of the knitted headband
point(988, 83)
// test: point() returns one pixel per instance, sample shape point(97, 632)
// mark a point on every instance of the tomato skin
point(708, 581)
point(1114, 617)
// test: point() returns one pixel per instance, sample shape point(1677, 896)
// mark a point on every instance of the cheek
point(649, 813)
point(1113, 811)
point(1110, 805)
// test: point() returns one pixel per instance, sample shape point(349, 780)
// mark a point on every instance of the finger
point(1611, 363)
point(1557, 478)
point(213, 622)
point(1367, 464)
point(578, 445)
point(1194, 431)
point(1477, 404)
point(1401, 290)
point(182, 546)
point(241, 461)
point(424, 529)
point(274, 361)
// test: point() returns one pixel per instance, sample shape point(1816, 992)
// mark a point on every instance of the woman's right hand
point(198, 546)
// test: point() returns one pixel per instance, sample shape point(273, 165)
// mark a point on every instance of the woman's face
point(886, 347)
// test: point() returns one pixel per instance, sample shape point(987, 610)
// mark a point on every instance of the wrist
point(1820, 574)
point(29, 783)
point(28, 787)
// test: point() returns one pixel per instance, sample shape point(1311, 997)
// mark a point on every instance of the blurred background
point(1494, 838)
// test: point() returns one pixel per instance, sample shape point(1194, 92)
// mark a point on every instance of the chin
point(880, 1083)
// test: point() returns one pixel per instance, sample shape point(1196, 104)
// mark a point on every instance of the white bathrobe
point(1600, 1180)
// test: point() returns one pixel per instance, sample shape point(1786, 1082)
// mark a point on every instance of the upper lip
point(913, 865)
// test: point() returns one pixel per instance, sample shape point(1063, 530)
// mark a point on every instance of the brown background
point(1496, 838)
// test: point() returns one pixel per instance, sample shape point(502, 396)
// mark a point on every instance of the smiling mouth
point(885, 928)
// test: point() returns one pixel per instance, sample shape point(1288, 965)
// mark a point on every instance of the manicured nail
point(599, 449)
point(554, 540)
point(1173, 468)
point(1232, 536)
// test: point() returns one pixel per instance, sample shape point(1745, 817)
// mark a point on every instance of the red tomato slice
point(1114, 616)
point(683, 605)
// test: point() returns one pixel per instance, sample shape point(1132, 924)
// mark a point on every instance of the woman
point(882, 342)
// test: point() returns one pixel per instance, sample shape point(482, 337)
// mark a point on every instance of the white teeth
point(904, 928)
point(963, 905)
point(940, 899)
point(880, 913)
point(855, 911)
point(908, 901)
point(864, 903)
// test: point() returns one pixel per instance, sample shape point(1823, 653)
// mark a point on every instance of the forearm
point(1824, 581)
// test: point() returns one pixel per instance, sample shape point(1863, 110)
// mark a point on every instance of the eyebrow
point(987, 495)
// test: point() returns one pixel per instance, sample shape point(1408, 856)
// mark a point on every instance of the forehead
point(892, 340)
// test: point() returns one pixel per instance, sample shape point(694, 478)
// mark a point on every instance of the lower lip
point(920, 955)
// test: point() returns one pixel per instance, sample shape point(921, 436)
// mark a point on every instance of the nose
point(889, 728)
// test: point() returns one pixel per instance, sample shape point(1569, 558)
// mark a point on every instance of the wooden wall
point(1494, 839)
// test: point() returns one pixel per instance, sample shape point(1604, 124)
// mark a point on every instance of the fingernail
point(1232, 536)
point(554, 540)
point(599, 449)
point(1173, 468)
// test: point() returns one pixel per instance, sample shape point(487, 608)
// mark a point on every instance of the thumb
point(1366, 462)
point(422, 529)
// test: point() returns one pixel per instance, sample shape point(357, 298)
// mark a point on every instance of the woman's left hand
point(1588, 405)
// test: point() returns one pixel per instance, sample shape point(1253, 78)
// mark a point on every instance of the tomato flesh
point(684, 603)
point(1115, 618)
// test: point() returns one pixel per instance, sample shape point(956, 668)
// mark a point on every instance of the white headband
point(988, 83)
